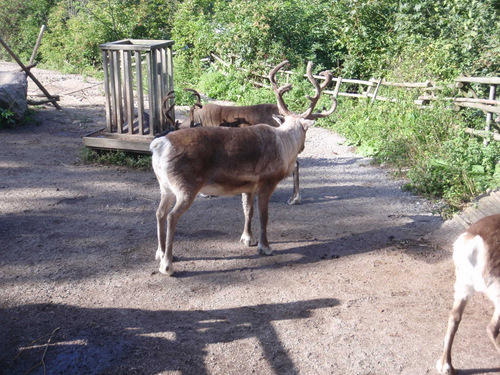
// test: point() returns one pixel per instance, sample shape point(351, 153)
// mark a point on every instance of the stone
point(13, 92)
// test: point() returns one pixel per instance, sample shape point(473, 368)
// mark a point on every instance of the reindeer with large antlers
point(239, 116)
point(227, 161)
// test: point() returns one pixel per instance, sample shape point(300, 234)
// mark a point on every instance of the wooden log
point(227, 65)
point(37, 45)
point(484, 80)
point(481, 101)
point(408, 85)
point(376, 90)
point(489, 115)
point(482, 107)
point(483, 133)
point(461, 100)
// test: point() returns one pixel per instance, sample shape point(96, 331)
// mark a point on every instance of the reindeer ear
point(306, 123)
point(278, 119)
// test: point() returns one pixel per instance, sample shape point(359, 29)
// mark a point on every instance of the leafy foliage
point(441, 161)
point(6, 118)
point(409, 40)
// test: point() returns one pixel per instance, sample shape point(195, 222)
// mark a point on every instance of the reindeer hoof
point(445, 368)
point(265, 250)
point(296, 200)
point(166, 269)
point(248, 240)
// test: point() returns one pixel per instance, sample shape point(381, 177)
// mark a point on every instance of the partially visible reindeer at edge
point(227, 161)
point(476, 254)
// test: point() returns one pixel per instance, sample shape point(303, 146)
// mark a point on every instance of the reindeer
point(227, 161)
point(238, 116)
point(231, 116)
point(476, 254)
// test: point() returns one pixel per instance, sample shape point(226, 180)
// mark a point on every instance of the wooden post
point(489, 115)
point(37, 45)
point(140, 94)
point(376, 91)
point(107, 92)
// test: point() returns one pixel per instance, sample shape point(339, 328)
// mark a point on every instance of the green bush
point(441, 161)
point(6, 118)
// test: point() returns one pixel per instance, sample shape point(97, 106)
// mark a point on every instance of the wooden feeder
point(137, 75)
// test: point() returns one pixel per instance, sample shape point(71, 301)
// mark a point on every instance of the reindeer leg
point(295, 198)
point(263, 198)
point(247, 236)
point(494, 326)
point(444, 363)
point(181, 205)
point(166, 202)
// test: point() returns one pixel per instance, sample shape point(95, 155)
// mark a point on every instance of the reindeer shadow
point(478, 371)
point(123, 340)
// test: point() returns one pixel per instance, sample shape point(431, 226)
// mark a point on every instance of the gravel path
point(361, 282)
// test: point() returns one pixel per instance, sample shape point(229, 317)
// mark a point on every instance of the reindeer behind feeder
point(214, 115)
point(227, 161)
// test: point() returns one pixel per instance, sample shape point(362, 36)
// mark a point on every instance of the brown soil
point(361, 282)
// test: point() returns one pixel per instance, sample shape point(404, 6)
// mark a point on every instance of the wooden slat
point(482, 107)
point(140, 92)
point(483, 206)
point(106, 89)
point(484, 80)
point(136, 145)
point(129, 90)
point(149, 61)
point(114, 103)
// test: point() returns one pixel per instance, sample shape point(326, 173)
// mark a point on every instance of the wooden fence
point(467, 91)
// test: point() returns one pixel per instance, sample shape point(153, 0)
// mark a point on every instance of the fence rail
point(467, 96)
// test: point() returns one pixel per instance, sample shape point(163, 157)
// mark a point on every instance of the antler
point(314, 100)
point(166, 112)
point(280, 91)
point(196, 95)
point(319, 89)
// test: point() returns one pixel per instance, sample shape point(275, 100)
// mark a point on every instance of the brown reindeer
point(476, 254)
point(211, 115)
point(227, 161)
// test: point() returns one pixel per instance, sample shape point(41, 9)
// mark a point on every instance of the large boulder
point(13, 91)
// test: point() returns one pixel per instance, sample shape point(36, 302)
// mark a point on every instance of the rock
point(13, 91)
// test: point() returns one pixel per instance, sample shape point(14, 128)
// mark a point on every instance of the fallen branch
point(42, 361)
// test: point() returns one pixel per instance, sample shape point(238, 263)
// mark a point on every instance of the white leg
point(181, 205)
point(263, 200)
point(247, 236)
point(167, 200)
point(494, 326)
point(444, 365)
point(295, 198)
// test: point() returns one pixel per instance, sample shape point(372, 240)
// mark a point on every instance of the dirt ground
point(361, 282)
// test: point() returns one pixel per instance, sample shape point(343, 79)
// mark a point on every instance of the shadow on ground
point(75, 340)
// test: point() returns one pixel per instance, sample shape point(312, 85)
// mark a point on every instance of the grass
point(427, 146)
point(114, 157)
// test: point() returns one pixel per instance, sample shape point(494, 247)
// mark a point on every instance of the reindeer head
point(166, 112)
point(306, 118)
point(192, 121)
point(194, 112)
